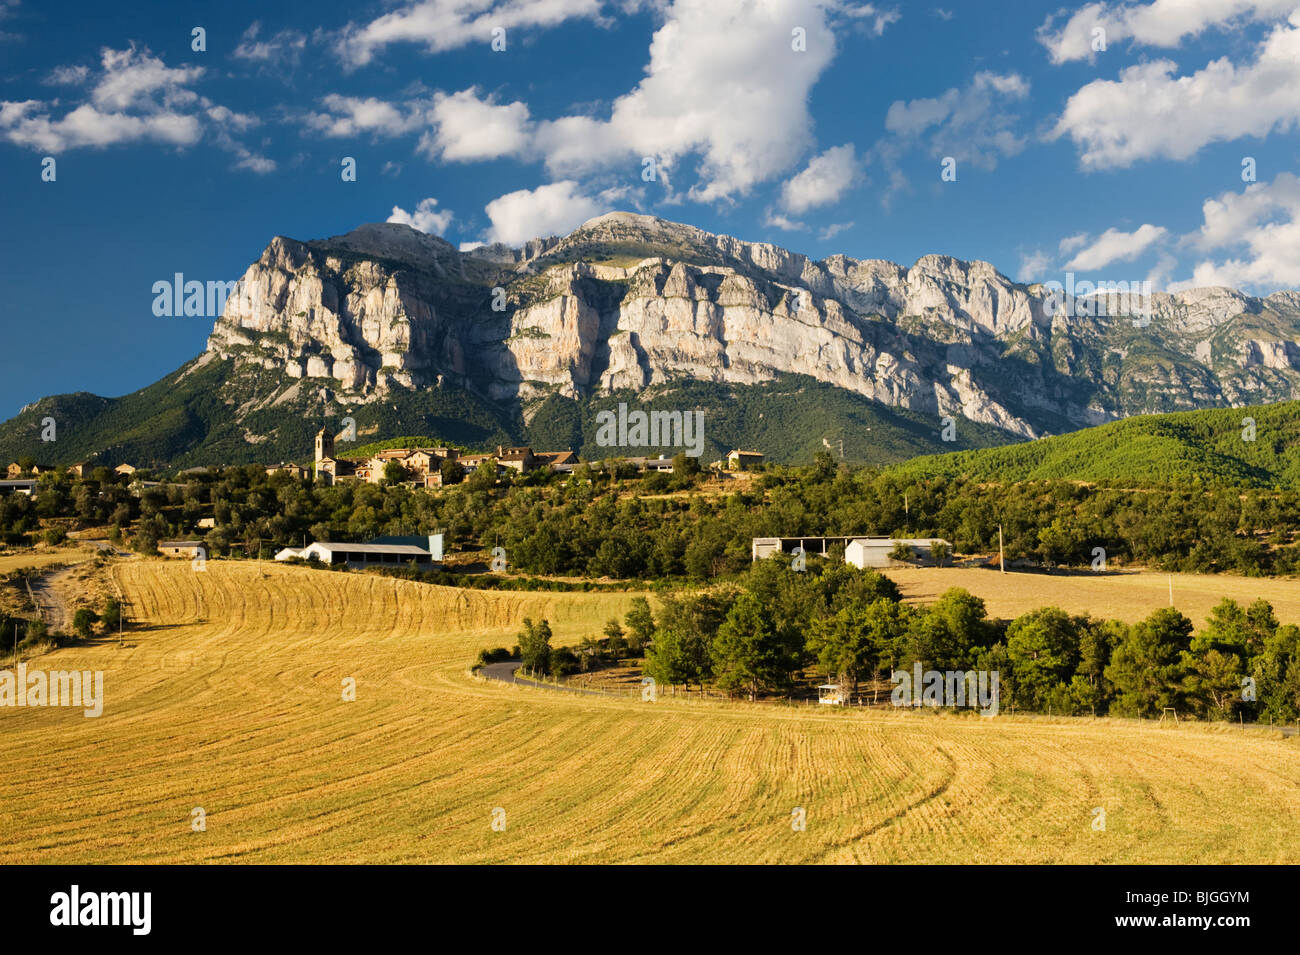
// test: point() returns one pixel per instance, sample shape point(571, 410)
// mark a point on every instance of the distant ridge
point(1174, 450)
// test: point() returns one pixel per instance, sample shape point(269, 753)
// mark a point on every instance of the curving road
point(506, 673)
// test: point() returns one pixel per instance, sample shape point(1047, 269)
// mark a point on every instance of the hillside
point(1150, 450)
point(182, 422)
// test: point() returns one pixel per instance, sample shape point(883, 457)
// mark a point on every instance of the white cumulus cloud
point(469, 127)
point(440, 25)
point(723, 84)
point(134, 97)
point(1151, 112)
point(348, 116)
point(284, 47)
point(553, 209)
point(1163, 23)
point(825, 180)
point(1112, 246)
point(972, 124)
point(1256, 232)
point(427, 217)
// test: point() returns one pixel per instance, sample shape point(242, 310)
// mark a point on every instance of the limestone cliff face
point(630, 301)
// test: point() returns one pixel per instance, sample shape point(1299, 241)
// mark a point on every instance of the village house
point(517, 459)
point(125, 469)
point(660, 463)
point(744, 460)
point(294, 470)
point(472, 462)
point(562, 461)
point(16, 470)
point(187, 549)
point(81, 468)
point(423, 466)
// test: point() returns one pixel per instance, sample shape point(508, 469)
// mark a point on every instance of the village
point(438, 466)
point(426, 468)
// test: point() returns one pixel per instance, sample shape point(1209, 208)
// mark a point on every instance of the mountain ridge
point(385, 317)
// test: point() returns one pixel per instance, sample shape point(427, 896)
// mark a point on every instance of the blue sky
point(818, 125)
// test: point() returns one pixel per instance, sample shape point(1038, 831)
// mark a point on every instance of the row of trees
point(537, 655)
point(853, 627)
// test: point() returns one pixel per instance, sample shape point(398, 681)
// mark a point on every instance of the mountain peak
point(624, 218)
point(392, 240)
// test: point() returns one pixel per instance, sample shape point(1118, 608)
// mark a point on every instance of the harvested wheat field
point(42, 558)
point(230, 699)
point(1124, 595)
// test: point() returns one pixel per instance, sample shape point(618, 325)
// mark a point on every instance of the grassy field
point(43, 557)
point(230, 699)
point(1127, 596)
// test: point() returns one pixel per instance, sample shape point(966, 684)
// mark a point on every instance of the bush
point(486, 656)
point(902, 552)
point(112, 616)
point(55, 536)
point(37, 632)
point(83, 620)
point(563, 661)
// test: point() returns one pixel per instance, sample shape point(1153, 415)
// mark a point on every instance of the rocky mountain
point(496, 342)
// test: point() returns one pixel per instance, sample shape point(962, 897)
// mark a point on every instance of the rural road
point(505, 672)
point(50, 604)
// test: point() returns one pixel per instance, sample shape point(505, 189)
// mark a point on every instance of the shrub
point(37, 632)
point(902, 552)
point(112, 616)
point(83, 620)
point(486, 656)
point(563, 661)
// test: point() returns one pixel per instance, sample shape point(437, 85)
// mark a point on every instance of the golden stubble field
point(1125, 595)
point(43, 558)
point(231, 700)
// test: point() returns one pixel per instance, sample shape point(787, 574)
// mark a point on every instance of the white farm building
point(858, 551)
point(390, 551)
point(874, 551)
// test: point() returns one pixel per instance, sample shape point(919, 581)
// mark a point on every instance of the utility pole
point(1002, 558)
point(1171, 590)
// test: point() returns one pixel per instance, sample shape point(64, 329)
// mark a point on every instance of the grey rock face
point(631, 301)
